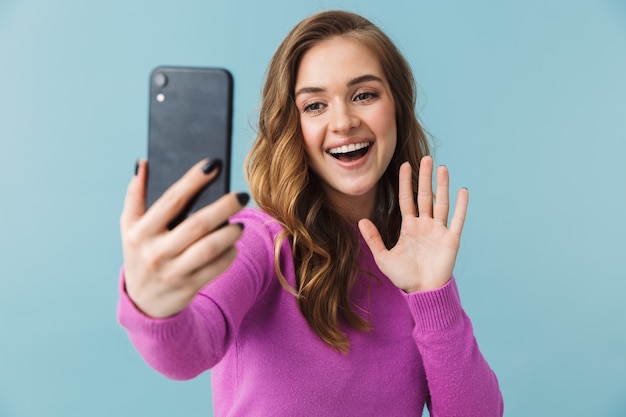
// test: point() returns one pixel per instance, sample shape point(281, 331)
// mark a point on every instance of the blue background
point(526, 102)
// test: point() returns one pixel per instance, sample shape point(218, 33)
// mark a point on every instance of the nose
point(343, 119)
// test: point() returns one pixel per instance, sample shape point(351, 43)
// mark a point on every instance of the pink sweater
point(266, 360)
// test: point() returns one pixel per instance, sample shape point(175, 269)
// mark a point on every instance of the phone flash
point(160, 97)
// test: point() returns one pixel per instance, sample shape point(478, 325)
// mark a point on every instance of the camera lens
point(160, 79)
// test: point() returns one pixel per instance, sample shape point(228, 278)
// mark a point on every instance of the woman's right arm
point(165, 269)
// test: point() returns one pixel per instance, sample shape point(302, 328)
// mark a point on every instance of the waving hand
point(424, 256)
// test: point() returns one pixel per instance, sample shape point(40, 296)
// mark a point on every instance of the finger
point(206, 253)
point(204, 221)
point(460, 211)
point(425, 188)
point(209, 272)
point(372, 237)
point(176, 198)
point(135, 201)
point(405, 191)
point(442, 203)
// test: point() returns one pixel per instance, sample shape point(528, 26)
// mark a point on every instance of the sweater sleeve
point(197, 338)
point(460, 381)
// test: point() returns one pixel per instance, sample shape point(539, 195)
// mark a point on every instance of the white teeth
point(348, 148)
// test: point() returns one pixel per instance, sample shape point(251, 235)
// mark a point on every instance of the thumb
point(135, 202)
point(372, 237)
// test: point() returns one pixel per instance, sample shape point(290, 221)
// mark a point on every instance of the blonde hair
point(323, 242)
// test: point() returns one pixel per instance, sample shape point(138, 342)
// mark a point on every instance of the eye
point(365, 96)
point(314, 107)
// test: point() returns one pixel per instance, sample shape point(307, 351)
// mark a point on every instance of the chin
point(356, 192)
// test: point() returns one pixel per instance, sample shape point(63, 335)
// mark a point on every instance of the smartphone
point(190, 118)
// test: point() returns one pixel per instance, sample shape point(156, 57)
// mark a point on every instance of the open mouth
point(352, 152)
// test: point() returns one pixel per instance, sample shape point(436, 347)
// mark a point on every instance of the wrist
point(424, 286)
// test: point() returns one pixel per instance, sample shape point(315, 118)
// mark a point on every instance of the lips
point(350, 152)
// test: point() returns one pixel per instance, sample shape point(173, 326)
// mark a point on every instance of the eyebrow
point(358, 80)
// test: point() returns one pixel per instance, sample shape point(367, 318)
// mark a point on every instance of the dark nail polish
point(136, 167)
point(226, 223)
point(211, 165)
point(243, 198)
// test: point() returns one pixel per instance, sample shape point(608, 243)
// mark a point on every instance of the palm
point(424, 256)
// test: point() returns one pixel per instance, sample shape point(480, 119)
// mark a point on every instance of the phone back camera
point(160, 79)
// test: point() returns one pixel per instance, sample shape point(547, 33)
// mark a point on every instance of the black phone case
point(190, 119)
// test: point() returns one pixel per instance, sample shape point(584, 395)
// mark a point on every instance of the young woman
point(336, 296)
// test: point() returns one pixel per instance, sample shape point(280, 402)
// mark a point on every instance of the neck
point(353, 208)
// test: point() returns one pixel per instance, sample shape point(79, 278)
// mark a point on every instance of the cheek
point(383, 120)
point(311, 141)
point(393, 127)
point(391, 135)
point(386, 124)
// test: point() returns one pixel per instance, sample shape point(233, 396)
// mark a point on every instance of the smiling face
point(347, 116)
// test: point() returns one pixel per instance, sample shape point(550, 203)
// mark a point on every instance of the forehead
point(337, 60)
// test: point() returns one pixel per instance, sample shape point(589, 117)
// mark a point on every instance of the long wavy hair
point(324, 243)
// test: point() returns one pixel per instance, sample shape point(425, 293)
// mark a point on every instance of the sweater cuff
point(137, 322)
point(437, 309)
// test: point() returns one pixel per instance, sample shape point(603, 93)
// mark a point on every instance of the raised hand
point(424, 256)
point(165, 269)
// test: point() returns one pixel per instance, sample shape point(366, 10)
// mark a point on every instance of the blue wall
point(527, 103)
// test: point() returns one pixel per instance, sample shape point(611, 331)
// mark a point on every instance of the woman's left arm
point(421, 264)
point(460, 381)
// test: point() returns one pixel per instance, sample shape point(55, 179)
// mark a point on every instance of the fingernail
point(136, 167)
point(243, 198)
point(226, 223)
point(211, 165)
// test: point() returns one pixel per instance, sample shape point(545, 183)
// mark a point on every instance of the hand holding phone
point(164, 269)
